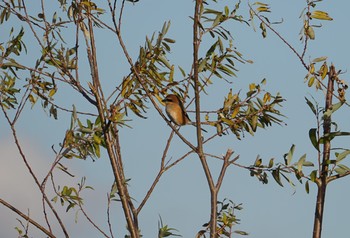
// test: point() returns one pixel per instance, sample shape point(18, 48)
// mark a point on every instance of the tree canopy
point(81, 93)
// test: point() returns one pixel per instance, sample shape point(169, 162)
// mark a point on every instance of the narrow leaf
point(320, 15)
point(342, 155)
point(313, 138)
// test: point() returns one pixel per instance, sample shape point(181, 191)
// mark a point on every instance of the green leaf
point(308, 164)
point(242, 233)
point(333, 108)
point(307, 187)
point(342, 169)
point(254, 122)
point(71, 205)
point(346, 168)
point(97, 150)
point(202, 65)
point(289, 156)
point(312, 107)
point(227, 11)
point(313, 175)
point(182, 71)
point(330, 136)
point(313, 138)
point(342, 155)
point(301, 162)
point(169, 40)
point(276, 176)
point(212, 49)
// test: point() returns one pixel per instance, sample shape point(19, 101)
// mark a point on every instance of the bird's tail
point(195, 125)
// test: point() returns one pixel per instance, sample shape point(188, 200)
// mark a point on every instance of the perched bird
point(176, 111)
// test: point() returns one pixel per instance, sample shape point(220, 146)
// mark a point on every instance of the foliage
point(165, 231)
point(227, 220)
point(152, 75)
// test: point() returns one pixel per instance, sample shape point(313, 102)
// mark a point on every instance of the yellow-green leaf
point(171, 75)
point(310, 32)
point(235, 112)
point(267, 97)
point(52, 92)
point(324, 70)
point(319, 59)
point(258, 162)
point(321, 15)
point(312, 68)
point(311, 81)
point(252, 86)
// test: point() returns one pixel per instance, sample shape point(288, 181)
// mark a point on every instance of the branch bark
point(131, 219)
point(323, 177)
point(200, 152)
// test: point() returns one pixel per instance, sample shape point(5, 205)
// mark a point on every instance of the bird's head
point(171, 98)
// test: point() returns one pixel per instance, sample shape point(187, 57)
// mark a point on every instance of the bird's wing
point(183, 108)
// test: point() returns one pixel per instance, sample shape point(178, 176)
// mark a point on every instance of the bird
point(176, 111)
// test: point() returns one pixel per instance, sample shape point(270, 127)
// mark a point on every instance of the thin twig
point(224, 167)
point(337, 176)
point(279, 36)
point(160, 173)
point(24, 158)
point(109, 216)
point(92, 222)
point(144, 86)
point(27, 218)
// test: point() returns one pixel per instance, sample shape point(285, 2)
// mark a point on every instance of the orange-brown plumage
point(175, 110)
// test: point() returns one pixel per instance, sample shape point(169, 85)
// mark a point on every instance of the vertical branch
point(212, 187)
point(322, 180)
point(100, 104)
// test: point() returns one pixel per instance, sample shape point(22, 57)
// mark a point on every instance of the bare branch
point(160, 173)
point(27, 218)
point(14, 133)
point(337, 176)
point(224, 167)
point(279, 36)
point(92, 222)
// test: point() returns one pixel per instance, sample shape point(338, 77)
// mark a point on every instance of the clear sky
point(182, 197)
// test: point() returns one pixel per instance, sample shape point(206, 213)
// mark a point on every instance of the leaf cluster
point(307, 16)
point(80, 10)
point(280, 171)
point(8, 91)
point(84, 140)
point(71, 195)
point(155, 71)
point(226, 220)
point(213, 20)
point(249, 113)
point(258, 9)
point(165, 230)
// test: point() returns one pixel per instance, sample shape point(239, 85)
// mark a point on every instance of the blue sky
point(181, 197)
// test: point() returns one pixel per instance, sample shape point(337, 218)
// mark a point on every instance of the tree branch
point(14, 133)
point(224, 167)
point(279, 36)
point(27, 218)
